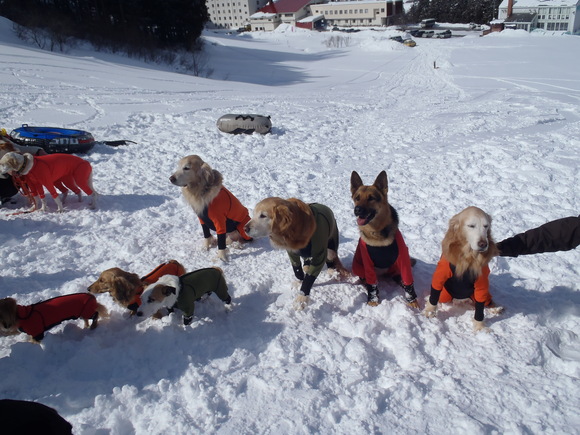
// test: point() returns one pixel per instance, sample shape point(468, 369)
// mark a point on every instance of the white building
point(550, 15)
point(358, 13)
point(232, 14)
point(280, 12)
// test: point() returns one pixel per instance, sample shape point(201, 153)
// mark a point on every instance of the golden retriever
point(463, 270)
point(126, 287)
point(215, 206)
point(305, 231)
point(38, 318)
point(381, 248)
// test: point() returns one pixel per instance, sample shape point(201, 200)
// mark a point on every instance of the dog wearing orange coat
point(52, 171)
point(38, 318)
point(126, 287)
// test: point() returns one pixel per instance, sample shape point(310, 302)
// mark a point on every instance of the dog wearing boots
point(381, 248)
point(182, 292)
point(305, 231)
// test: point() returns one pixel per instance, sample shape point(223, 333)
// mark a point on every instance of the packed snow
point(488, 121)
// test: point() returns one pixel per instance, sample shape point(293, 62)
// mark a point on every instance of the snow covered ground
point(487, 121)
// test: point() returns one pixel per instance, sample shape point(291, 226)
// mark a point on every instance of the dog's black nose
point(358, 210)
point(172, 179)
point(482, 244)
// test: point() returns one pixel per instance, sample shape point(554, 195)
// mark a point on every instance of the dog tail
point(102, 311)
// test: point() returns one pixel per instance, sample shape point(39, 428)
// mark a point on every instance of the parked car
point(397, 38)
point(444, 35)
point(409, 42)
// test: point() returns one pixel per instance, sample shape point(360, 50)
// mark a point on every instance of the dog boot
point(187, 320)
point(298, 272)
point(410, 295)
point(372, 295)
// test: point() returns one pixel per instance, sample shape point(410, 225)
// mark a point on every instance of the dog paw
point(373, 303)
point(430, 310)
point(479, 325)
point(413, 304)
point(495, 309)
point(223, 255)
point(301, 302)
point(209, 242)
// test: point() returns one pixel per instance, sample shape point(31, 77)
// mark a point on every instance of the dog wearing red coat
point(52, 171)
point(38, 318)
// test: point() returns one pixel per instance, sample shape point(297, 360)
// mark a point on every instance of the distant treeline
point(453, 11)
point(118, 24)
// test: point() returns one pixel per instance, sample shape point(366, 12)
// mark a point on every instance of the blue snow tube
point(54, 139)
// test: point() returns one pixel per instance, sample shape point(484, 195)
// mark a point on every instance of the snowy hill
point(496, 124)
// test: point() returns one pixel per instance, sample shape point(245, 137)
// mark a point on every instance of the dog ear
point(168, 290)
point(206, 173)
point(281, 218)
point(454, 224)
point(123, 289)
point(355, 182)
point(8, 309)
point(382, 182)
point(212, 177)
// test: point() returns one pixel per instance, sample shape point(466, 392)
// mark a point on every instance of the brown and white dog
point(126, 287)
point(463, 270)
point(216, 207)
point(182, 292)
point(305, 231)
point(38, 318)
point(381, 248)
point(52, 171)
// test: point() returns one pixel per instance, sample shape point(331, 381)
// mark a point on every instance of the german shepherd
point(381, 248)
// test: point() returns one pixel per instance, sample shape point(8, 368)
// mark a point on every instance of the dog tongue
point(361, 221)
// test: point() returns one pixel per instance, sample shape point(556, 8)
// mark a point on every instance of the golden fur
point(469, 256)
point(289, 223)
point(122, 285)
point(199, 183)
point(6, 147)
point(8, 319)
point(377, 221)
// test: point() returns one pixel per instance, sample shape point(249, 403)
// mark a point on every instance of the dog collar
point(24, 163)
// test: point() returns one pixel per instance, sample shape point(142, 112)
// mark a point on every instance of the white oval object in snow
point(244, 124)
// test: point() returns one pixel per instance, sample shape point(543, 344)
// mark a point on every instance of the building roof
point(520, 18)
point(311, 19)
point(355, 2)
point(538, 3)
point(284, 6)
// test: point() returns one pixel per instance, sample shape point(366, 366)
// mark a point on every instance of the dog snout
point(359, 211)
point(172, 179)
point(482, 245)
point(247, 228)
